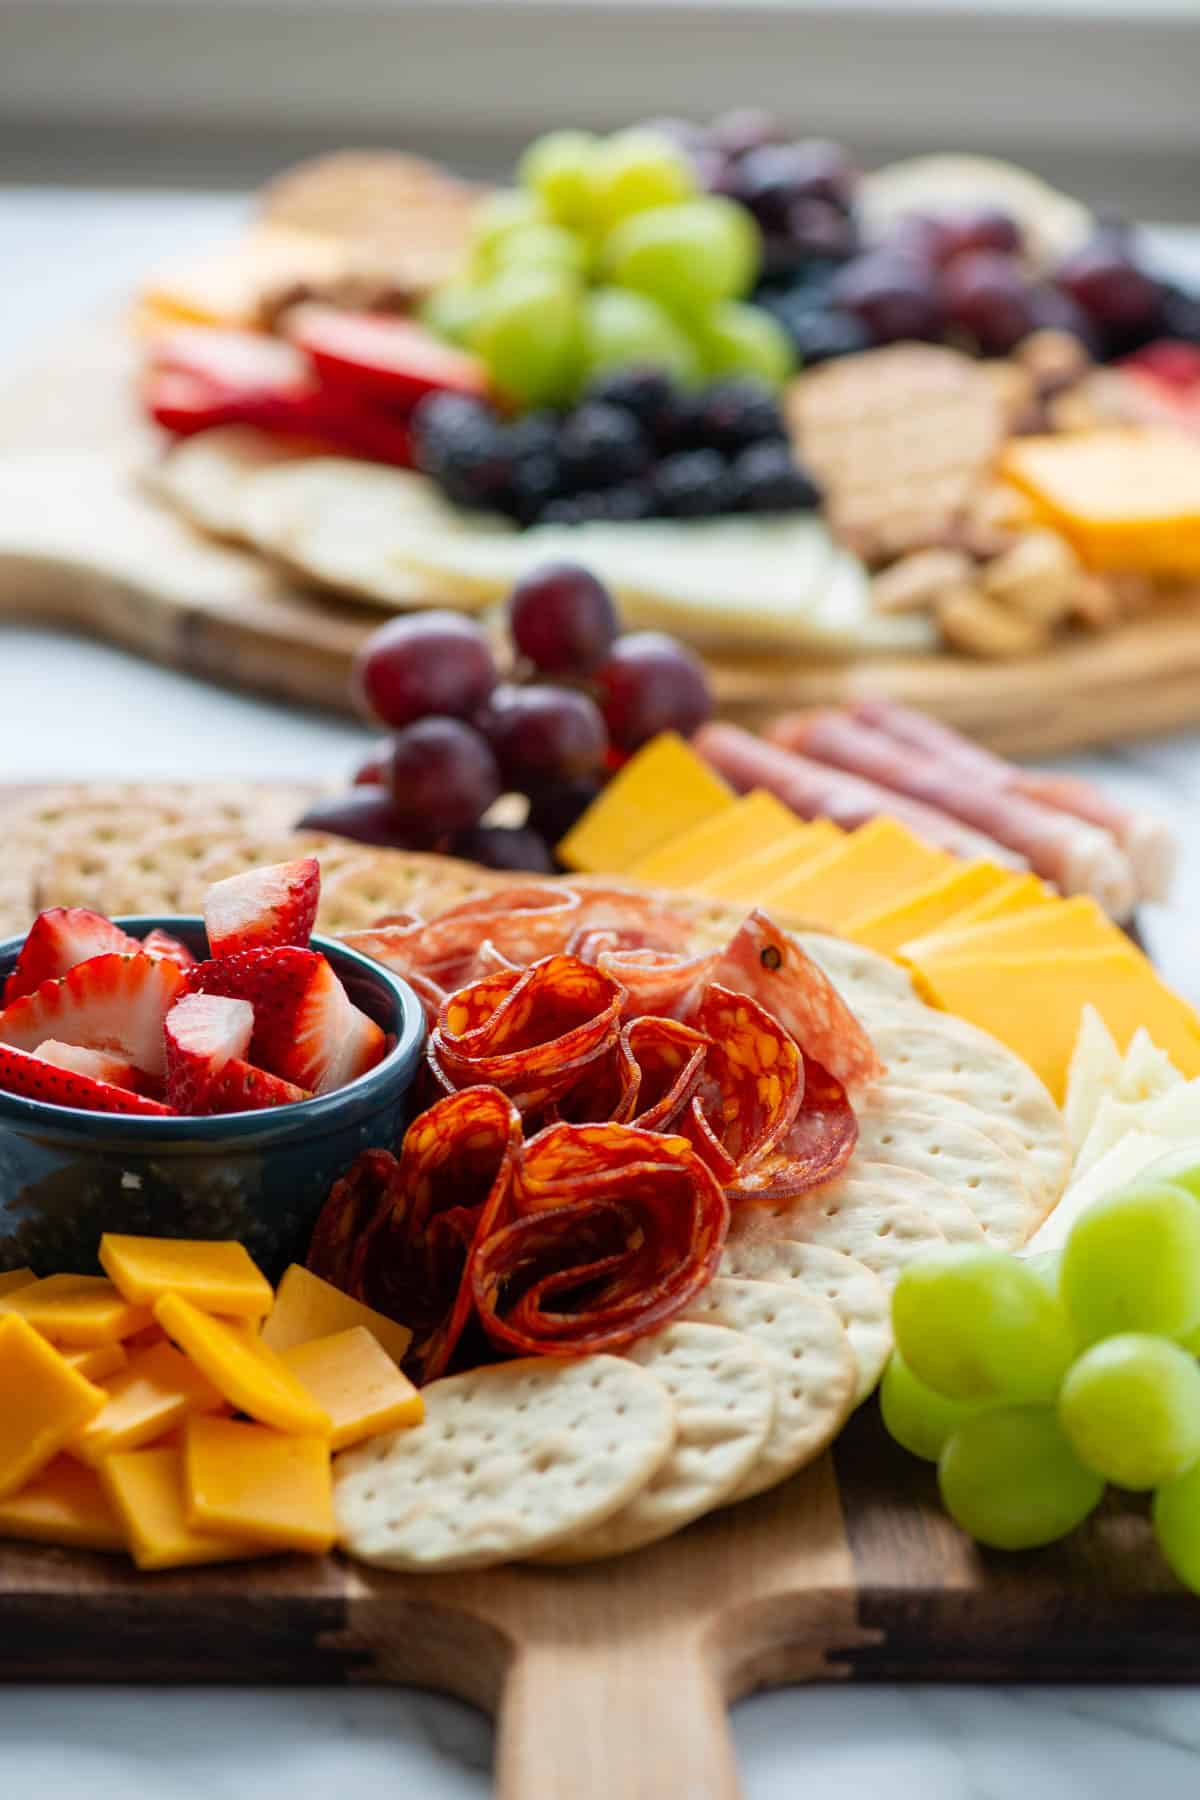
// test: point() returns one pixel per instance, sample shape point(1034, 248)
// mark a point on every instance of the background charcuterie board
point(84, 547)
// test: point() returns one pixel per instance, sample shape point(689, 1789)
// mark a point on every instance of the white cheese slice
point(1135, 1152)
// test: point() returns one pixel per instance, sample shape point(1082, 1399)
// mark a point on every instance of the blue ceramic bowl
point(66, 1176)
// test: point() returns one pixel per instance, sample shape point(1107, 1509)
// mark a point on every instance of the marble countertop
point(67, 705)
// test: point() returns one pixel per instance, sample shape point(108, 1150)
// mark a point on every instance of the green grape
point(542, 247)
point(1181, 1168)
point(1010, 1478)
point(453, 312)
point(622, 328)
point(530, 335)
point(1045, 1266)
point(1132, 1263)
point(1131, 1409)
point(737, 339)
point(560, 168)
point(975, 1324)
point(920, 1420)
point(1176, 1515)
point(689, 257)
point(503, 212)
point(636, 170)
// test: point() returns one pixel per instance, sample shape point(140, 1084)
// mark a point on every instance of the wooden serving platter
point(84, 548)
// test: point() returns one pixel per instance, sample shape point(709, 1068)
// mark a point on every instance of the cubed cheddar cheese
point(307, 1307)
point(358, 1385)
point(77, 1310)
point(663, 789)
point(1125, 498)
point(248, 1372)
point(1075, 924)
point(881, 859)
point(100, 1359)
point(930, 908)
point(12, 1279)
point(65, 1504)
point(155, 1391)
point(259, 1485)
point(218, 1277)
point(753, 823)
point(750, 876)
point(43, 1403)
point(148, 1495)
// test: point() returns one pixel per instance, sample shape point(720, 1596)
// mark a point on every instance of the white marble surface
point(66, 706)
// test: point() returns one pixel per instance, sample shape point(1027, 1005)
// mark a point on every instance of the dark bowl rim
point(304, 1118)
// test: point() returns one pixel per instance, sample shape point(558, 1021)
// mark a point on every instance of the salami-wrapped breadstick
point(1080, 858)
point(815, 790)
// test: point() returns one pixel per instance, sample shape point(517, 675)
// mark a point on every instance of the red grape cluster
point(461, 736)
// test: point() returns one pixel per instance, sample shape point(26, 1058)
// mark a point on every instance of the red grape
point(562, 619)
point(443, 776)
point(429, 663)
point(367, 815)
point(505, 847)
point(374, 772)
point(988, 295)
point(1106, 282)
point(895, 296)
point(976, 228)
point(554, 809)
point(542, 734)
point(650, 684)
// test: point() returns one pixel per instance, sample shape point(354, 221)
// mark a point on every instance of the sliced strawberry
point(98, 1065)
point(306, 1027)
point(161, 943)
point(33, 1079)
point(203, 1032)
point(111, 1002)
point(56, 941)
point(264, 907)
point(392, 360)
point(241, 1087)
point(243, 362)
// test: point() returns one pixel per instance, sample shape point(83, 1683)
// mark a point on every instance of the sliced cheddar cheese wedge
point(755, 822)
point(747, 878)
point(662, 790)
point(248, 1372)
point(937, 905)
point(357, 1384)
point(65, 1504)
point(880, 859)
point(12, 1279)
point(155, 1391)
point(245, 1481)
point(1075, 924)
point(307, 1307)
point(1020, 893)
point(77, 1310)
point(218, 1277)
point(43, 1403)
point(148, 1495)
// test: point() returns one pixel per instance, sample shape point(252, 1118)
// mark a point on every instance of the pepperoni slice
point(367, 1186)
point(751, 1086)
point(394, 942)
point(657, 981)
point(647, 1078)
point(616, 1230)
point(817, 1146)
point(523, 923)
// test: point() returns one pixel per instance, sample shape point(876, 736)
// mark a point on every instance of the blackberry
point(769, 480)
point(460, 444)
point(535, 480)
point(734, 413)
point(694, 484)
point(647, 393)
point(600, 445)
point(820, 334)
point(574, 509)
point(629, 500)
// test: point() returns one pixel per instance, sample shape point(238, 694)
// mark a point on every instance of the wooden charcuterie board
point(82, 546)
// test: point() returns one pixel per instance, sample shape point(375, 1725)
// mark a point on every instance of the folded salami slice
point(523, 923)
point(647, 1078)
point(751, 1087)
point(615, 1231)
point(817, 1145)
point(656, 981)
point(394, 941)
point(367, 1187)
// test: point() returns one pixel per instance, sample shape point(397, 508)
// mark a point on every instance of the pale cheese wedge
point(1135, 1152)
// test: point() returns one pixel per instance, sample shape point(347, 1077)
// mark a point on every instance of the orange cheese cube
point(248, 1372)
point(746, 877)
point(76, 1309)
point(43, 1403)
point(146, 1488)
point(259, 1485)
point(98, 1361)
point(219, 1277)
point(878, 862)
point(65, 1504)
point(357, 1383)
point(307, 1307)
point(12, 1279)
point(153, 1393)
point(1125, 498)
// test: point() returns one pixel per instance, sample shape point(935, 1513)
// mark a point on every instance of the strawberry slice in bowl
point(207, 1037)
point(307, 1029)
point(113, 1002)
point(33, 1078)
point(161, 943)
point(57, 940)
point(99, 1065)
point(263, 908)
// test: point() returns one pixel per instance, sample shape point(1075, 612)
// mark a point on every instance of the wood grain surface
point(83, 547)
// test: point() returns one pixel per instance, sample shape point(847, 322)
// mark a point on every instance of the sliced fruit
point(306, 1028)
point(240, 1087)
point(203, 1031)
point(394, 360)
point(264, 907)
point(27, 1075)
point(161, 943)
point(57, 941)
point(97, 1065)
point(112, 1002)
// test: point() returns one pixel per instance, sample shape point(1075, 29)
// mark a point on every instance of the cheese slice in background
point(878, 860)
point(1124, 1161)
point(664, 789)
point(1174, 1116)
point(1126, 498)
point(937, 905)
point(747, 878)
point(753, 823)
point(1092, 1075)
point(1020, 893)
point(227, 285)
point(1075, 924)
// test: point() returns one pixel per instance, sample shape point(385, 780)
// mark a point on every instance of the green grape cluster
point(608, 254)
point(1034, 1383)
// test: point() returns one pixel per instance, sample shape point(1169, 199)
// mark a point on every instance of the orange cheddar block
point(12, 1279)
point(100, 1360)
point(1125, 498)
point(148, 1495)
point(153, 1393)
point(880, 861)
point(663, 789)
point(747, 878)
point(43, 1403)
point(307, 1307)
point(259, 1485)
point(1020, 893)
point(930, 908)
point(77, 1310)
point(248, 1372)
point(65, 1504)
point(1075, 924)
point(753, 823)
point(357, 1383)
point(218, 1277)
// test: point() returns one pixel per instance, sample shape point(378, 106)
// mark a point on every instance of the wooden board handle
point(636, 1721)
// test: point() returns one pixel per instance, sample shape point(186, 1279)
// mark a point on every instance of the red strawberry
point(306, 1028)
point(112, 1002)
point(97, 1065)
point(203, 1031)
point(391, 360)
point(160, 943)
point(263, 907)
point(34, 1079)
point(240, 1087)
point(58, 940)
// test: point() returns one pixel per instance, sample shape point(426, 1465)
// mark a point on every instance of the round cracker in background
point(724, 1395)
point(864, 1215)
point(948, 1208)
point(891, 1096)
point(161, 872)
point(809, 1355)
point(508, 1460)
point(991, 1184)
point(367, 889)
point(857, 1296)
point(206, 476)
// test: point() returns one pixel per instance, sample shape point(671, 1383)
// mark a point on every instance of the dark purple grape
point(769, 480)
point(554, 809)
point(917, 235)
point(715, 171)
point(505, 847)
point(772, 180)
point(541, 733)
point(976, 228)
point(1181, 315)
point(820, 334)
point(650, 684)
point(627, 501)
point(895, 296)
point(599, 445)
point(647, 393)
point(1055, 311)
point(987, 295)
point(368, 815)
point(737, 411)
point(816, 227)
point(693, 484)
point(430, 662)
point(575, 509)
point(744, 129)
point(373, 771)
point(562, 619)
point(1107, 283)
point(444, 776)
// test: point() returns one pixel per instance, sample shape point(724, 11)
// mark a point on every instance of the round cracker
point(865, 1215)
point(857, 1296)
point(949, 1210)
point(810, 1357)
point(891, 1095)
point(508, 1460)
point(724, 1395)
point(963, 1159)
point(207, 476)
